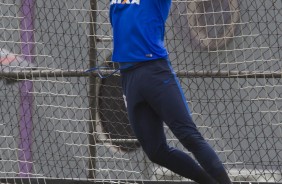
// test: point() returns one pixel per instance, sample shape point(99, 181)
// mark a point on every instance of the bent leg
point(149, 130)
point(169, 103)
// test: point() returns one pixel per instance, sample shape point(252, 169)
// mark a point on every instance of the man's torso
point(138, 29)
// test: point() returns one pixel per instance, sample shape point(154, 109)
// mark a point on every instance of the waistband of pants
point(127, 66)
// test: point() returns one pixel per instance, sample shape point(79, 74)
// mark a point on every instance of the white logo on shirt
point(125, 2)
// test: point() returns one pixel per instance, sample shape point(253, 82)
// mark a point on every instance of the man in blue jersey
point(153, 92)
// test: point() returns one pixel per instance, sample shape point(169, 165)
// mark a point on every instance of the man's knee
point(159, 154)
point(194, 142)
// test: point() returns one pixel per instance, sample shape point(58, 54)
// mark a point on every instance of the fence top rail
point(29, 74)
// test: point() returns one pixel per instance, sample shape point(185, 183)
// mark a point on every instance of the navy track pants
point(153, 96)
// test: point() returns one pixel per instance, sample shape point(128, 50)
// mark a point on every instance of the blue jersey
point(138, 29)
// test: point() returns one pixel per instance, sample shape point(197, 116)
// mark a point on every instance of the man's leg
point(166, 98)
point(148, 129)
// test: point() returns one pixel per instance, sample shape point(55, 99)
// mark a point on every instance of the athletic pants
point(153, 95)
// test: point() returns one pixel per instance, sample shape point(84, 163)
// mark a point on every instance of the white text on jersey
point(125, 2)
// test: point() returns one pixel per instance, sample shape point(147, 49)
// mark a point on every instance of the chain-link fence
point(60, 122)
